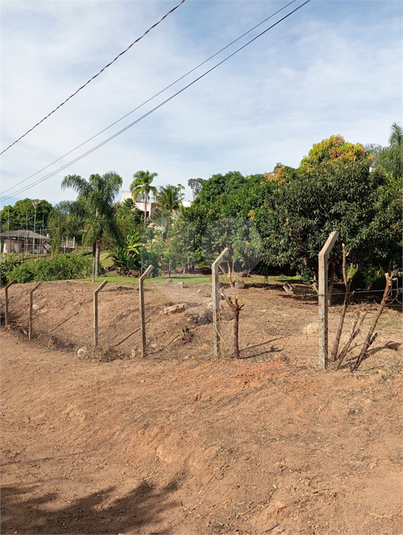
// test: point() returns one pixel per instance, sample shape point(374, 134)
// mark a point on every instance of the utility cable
point(95, 75)
point(46, 177)
point(150, 99)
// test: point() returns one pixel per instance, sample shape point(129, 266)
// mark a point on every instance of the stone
point(175, 309)
point(203, 317)
point(311, 328)
point(82, 353)
point(204, 292)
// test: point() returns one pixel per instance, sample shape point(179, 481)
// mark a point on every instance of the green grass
point(187, 279)
point(106, 262)
point(283, 278)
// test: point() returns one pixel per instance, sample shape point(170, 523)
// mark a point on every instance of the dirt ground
point(180, 443)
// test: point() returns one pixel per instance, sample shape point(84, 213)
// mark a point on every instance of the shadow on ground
point(144, 505)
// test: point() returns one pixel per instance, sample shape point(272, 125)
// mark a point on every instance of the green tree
point(22, 215)
point(181, 244)
point(59, 215)
point(390, 159)
point(332, 150)
point(196, 185)
point(168, 203)
point(241, 238)
point(142, 184)
point(94, 210)
point(343, 196)
point(129, 218)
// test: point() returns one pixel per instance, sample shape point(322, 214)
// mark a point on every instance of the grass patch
point(186, 279)
point(283, 278)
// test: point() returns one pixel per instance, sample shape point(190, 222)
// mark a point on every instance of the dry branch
point(236, 308)
point(355, 331)
point(347, 297)
point(370, 336)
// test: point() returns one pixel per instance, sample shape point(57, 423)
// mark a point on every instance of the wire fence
point(274, 326)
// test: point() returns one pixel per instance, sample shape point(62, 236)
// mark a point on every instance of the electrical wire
point(151, 98)
point(130, 125)
point(95, 76)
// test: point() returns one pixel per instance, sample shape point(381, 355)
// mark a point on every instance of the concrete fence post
point(31, 309)
point(215, 293)
point(142, 311)
point(95, 300)
point(6, 318)
point(323, 299)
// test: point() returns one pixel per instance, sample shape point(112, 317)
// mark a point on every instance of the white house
point(140, 204)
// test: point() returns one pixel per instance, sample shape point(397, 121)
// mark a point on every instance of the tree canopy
point(94, 209)
point(142, 184)
point(22, 215)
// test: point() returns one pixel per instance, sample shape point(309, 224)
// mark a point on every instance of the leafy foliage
point(22, 214)
point(182, 244)
point(332, 150)
point(142, 185)
point(125, 261)
point(343, 196)
point(128, 218)
point(195, 185)
point(390, 159)
point(239, 235)
point(59, 267)
point(7, 265)
point(94, 210)
point(168, 203)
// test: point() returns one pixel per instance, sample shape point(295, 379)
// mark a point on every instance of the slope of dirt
point(180, 443)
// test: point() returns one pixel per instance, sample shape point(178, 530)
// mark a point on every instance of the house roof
point(24, 234)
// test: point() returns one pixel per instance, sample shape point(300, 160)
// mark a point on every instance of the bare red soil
point(181, 443)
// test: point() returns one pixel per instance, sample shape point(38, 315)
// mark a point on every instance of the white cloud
point(333, 67)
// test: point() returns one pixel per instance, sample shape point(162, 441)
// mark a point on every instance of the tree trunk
point(347, 284)
point(236, 333)
point(97, 255)
point(332, 277)
point(236, 308)
point(145, 210)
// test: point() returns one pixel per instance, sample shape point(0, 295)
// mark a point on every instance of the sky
point(332, 67)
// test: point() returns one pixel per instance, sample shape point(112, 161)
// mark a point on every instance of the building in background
point(25, 241)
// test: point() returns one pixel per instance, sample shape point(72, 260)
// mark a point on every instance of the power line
point(151, 98)
point(46, 177)
point(95, 75)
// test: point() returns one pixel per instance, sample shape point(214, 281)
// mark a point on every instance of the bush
point(60, 267)
point(7, 265)
point(151, 257)
point(125, 261)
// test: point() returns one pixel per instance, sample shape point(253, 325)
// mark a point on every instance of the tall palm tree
point(94, 209)
point(142, 185)
point(168, 202)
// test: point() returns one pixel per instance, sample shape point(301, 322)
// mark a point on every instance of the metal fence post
point(96, 311)
point(216, 300)
point(31, 309)
point(323, 299)
point(142, 312)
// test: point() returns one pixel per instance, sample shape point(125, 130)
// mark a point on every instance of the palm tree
point(142, 185)
point(94, 209)
point(390, 159)
point(169, 198)
point(168, 201)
